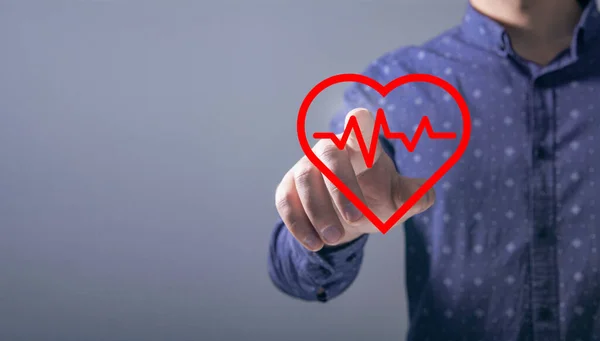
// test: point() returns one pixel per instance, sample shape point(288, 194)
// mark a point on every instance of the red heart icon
point(384, 226)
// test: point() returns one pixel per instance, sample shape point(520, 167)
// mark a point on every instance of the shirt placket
point(544, 277)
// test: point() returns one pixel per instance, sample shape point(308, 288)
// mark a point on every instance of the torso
point(510, 248)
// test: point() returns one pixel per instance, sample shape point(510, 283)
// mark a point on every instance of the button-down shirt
point(510, 249)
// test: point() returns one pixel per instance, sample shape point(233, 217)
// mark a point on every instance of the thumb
point(363, 141)
point(404, 187)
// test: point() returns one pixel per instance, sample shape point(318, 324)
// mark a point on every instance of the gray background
point(140, 145)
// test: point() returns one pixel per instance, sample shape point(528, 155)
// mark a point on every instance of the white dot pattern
point(517, 213)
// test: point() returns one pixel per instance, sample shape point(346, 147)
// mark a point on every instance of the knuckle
point(279, 190)
point(327, 152)
point(304, 173)
point(283, 200)
point(335, 192)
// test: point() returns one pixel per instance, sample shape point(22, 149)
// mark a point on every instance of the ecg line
point(368, 152)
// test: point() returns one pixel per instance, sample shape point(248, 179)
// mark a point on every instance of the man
point(506, 248)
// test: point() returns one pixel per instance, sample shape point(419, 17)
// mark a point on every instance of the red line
point(381, 124)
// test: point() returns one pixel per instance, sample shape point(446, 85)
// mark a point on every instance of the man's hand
point(318, 214)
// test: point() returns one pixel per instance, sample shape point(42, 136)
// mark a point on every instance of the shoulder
point(437, 56)
point(418, 58)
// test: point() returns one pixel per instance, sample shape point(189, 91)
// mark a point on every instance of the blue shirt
point(510, 249)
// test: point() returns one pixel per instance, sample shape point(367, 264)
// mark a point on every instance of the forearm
point(312, 276)
point(303, 274)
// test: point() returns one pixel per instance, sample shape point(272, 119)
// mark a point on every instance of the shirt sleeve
point(325, 274)
point(308, 275)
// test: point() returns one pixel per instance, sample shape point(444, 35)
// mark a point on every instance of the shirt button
point(543, 233)
point(545, 314)
point(321, 295)
point(542, 153)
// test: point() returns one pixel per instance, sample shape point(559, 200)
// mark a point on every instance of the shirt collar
point(489, 34)
point(587, 31)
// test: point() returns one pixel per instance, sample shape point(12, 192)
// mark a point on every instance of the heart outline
point(384, 90)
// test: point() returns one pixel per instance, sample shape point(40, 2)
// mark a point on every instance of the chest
point(531, 146)
point(521, 133)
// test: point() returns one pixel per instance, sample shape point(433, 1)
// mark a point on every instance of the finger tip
point(358, 110)
point(358, 113)
point(316, 249)
point(332, 234)
point(312, 243)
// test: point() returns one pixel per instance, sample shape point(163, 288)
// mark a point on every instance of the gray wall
point(140, 145)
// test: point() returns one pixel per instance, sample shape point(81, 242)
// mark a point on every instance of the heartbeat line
point(368, 152)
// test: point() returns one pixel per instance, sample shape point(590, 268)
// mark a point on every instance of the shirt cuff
point(332, 264)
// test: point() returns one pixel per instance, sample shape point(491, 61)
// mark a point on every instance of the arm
point(327, 273)
point(303, 260)
point(314, 276)
point(309, 275)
